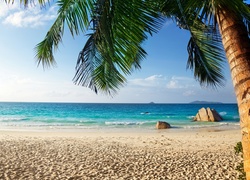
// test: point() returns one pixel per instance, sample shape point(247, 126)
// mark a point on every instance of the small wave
point(236, 117)
point(223, 113)
point(125, 123)
point(7, 119)
point(228, 124)
point(210, 125)
point(122, 123)
point(190, 117)
point(145, 112)
point(87, 121)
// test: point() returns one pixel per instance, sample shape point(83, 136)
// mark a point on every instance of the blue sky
point(162, 79)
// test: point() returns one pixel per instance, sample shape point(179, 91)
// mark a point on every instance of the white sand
point(200, 154)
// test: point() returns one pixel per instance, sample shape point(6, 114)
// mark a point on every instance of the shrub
point(239, 151)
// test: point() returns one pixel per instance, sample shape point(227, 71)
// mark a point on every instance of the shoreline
point(155, 154)
point(203, 126)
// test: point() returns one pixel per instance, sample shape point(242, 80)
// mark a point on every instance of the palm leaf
point(26, 3)
point(76, 14)
point(119, 29)
point(88, 60)
point(206, 58)
point(206, 52)
point(206, 55)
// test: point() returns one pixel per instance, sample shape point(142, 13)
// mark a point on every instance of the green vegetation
point(239, 151)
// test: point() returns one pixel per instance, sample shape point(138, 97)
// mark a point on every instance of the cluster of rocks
point(207, 115)
point(204, 114)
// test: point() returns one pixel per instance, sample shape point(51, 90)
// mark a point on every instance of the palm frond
point(206, 58)
point(95, 73)
point(45, 49)
point(27, 3)
point(76, 14)
point(206, 10)
point(88, 61)
point(206, 55)
point(205, 46)
point(114, 48)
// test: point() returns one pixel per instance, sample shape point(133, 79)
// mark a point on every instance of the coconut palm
point(232, 19)
point(116, 30)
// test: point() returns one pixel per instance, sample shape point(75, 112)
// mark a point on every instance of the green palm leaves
point(116, 30)
point(205, 50)
point(73, 12)
point(206, 58)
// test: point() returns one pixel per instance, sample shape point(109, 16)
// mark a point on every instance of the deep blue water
point(95, 115)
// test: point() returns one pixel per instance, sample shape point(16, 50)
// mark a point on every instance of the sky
point(163, 77)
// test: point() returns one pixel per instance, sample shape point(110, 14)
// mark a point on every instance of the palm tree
point(116, 30)
point(232, 19)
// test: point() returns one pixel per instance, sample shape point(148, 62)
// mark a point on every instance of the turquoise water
point(99, 116)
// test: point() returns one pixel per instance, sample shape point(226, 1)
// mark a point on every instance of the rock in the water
point(162, 125)
point(207, 115)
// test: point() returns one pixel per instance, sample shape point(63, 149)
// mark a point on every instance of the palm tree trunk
point(237, 47)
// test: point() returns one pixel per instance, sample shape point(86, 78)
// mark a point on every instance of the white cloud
point(24, 81)
point(189, 93)
point(5, 9)
point(154, 77)
point(18, 87)
point(151, 81)
point(29, 17)
point(173, 84)
point(160, 81)
point(168, 22)
point(180, 83)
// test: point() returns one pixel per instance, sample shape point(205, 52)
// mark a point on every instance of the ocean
point(82, 116)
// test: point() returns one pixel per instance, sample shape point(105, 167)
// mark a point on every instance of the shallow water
point(109, 116)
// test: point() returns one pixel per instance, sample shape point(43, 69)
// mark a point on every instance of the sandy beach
point(156, 154)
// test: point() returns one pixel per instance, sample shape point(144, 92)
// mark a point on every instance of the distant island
point(205, 102)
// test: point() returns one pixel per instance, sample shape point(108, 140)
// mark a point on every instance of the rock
point(207, 115)
point(202, 115)
point(162, 125)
